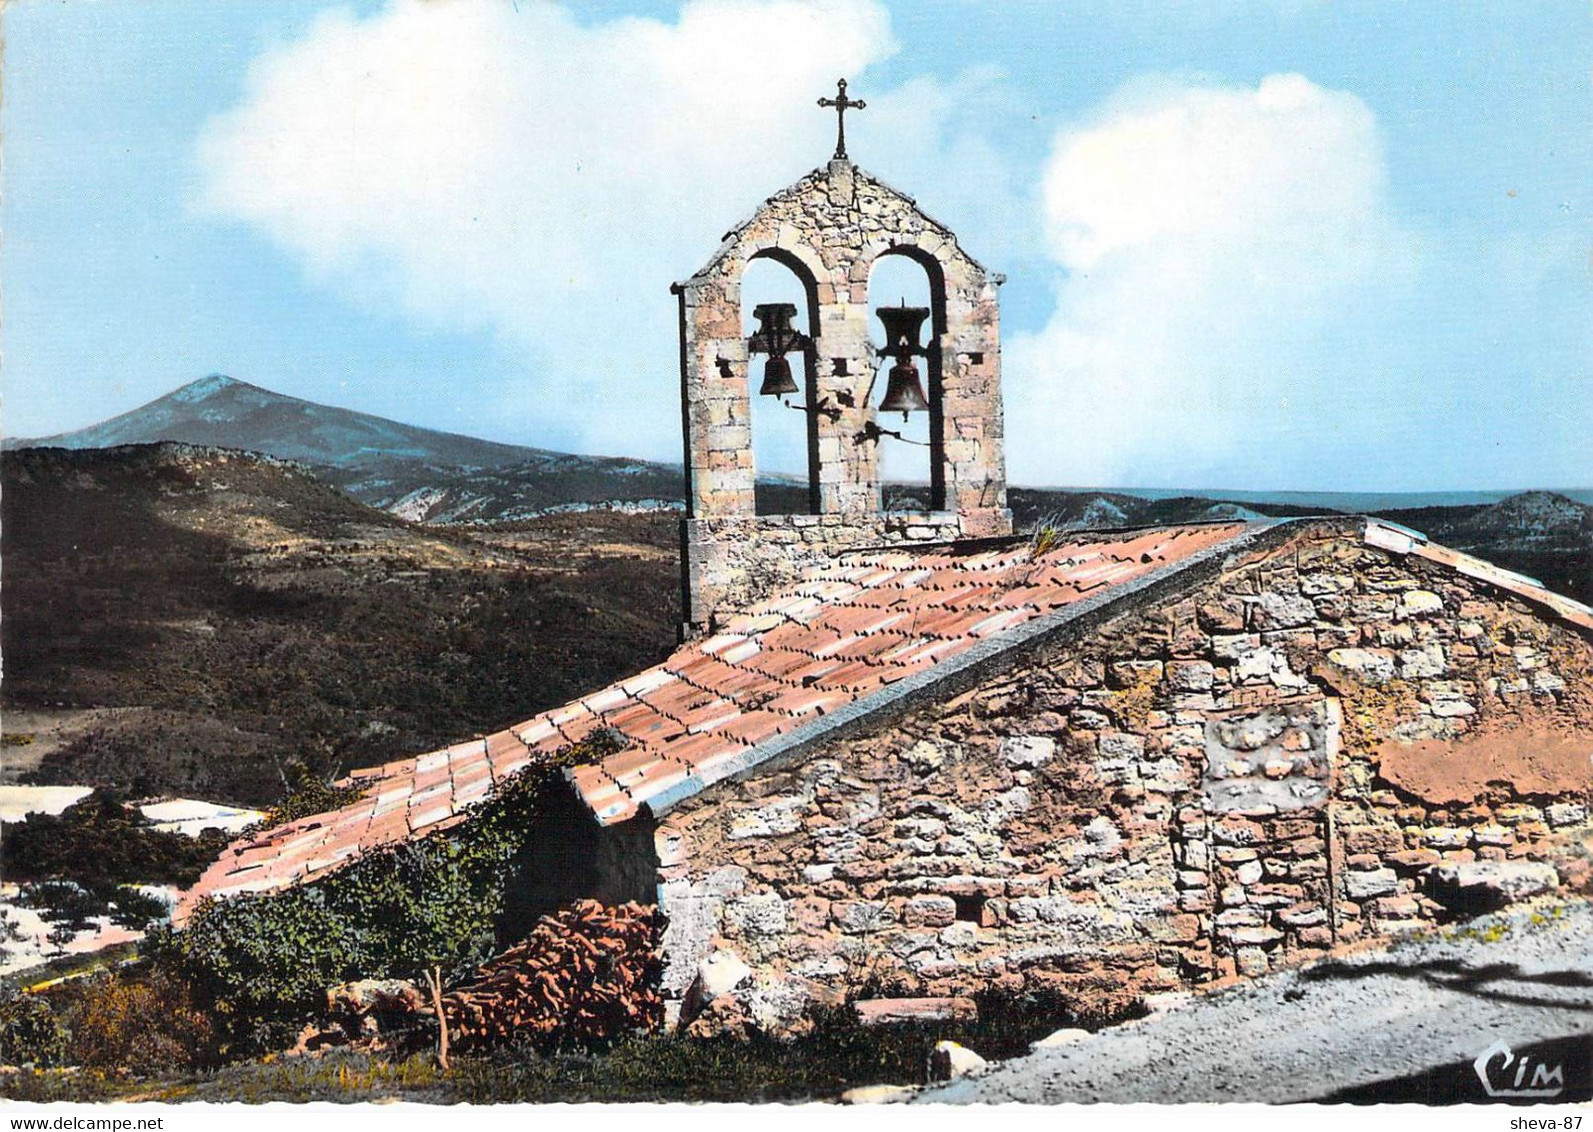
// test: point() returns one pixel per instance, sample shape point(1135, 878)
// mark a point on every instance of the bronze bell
point(777, 381)
point(904, 392)
point(774, 337)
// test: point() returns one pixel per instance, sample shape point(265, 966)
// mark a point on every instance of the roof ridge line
point(807, 735)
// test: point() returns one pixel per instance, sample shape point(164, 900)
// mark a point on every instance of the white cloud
point(522, 172)
point(1211, 238)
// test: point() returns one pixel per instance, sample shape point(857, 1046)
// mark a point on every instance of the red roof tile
point(865, 620)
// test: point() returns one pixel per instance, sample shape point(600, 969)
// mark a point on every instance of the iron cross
point(842, 104)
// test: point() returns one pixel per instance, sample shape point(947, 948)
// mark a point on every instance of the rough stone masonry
point(829, 229)
point(1285, 757)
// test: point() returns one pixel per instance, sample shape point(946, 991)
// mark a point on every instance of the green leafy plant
point(31, 1033)
point(418, 910)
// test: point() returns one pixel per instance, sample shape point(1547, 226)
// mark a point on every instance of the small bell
point(777, 380)
point(904, 393)
point(774, 337)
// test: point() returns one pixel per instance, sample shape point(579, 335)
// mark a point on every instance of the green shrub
point(310, 794)
point(31, 1033)
point(100, 844)
point(262, 963)
point(145, 1022)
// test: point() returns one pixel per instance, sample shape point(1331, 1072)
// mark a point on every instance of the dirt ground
point(1406, 1024)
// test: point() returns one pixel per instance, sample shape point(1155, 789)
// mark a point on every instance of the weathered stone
point(949, 1060)
point(1058, 1038)
point(879, 1094)
point(1419, 603)
point(1479, 885)
point(890, 1011)
point(1563, 814)
point(1424, 662)
point(1282, 611)
point(1372, 666)
point(720, 973)
point(929, 912)
point(1028, 750)
point(761, 915)
point(1378, 882)
point(862, 916)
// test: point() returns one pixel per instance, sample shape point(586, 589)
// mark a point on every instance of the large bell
point(904, 393)
point(777, 381)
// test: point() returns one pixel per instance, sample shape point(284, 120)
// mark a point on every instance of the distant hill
point(1543, 534)
point(417, 473)
point(227, 413)
point(194, 618)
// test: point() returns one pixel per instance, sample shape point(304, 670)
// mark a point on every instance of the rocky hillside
point(1540, 533)
point(195, 618)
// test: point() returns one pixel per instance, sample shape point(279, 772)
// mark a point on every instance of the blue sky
point(1285, 245)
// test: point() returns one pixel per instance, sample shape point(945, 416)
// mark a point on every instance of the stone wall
point(730, 563)
point(1193, 790)
point(829, 229)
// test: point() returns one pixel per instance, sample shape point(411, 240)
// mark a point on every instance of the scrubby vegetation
point(83, 863)
point(241, 615)
point(261, 964)
point(834, 1054)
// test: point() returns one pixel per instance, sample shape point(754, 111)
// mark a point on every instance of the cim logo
point(1529, 1079)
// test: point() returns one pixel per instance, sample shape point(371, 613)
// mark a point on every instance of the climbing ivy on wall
point(262, 963)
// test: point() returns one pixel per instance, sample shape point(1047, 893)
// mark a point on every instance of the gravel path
point(1400, 1024)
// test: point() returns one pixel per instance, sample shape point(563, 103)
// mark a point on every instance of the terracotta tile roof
point(865, 621)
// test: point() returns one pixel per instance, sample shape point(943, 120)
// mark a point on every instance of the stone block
point(1564, 814)
point(1378, 882)
point(1418, 603)
point(1276, 610)
point(763, 914)
point(1190, 675)
point(1482, 885)
point(1027, 750)
point(929, 912)
point(860, 917)
point(1372, 666)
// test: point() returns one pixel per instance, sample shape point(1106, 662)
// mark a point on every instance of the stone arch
point(935, 331)
point(805, 271)
point(829, 228)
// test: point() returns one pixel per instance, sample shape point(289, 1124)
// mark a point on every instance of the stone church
point(909, 750)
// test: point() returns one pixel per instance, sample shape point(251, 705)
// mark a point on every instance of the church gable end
point(1202, 787)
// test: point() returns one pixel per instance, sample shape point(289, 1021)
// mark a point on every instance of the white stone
point(1426, 661)
point(1562, 814)
point(949, 1060)
point(1372, 667)
point(878, 1094)
point(1028, 750)
point(1506, 881)
point(720, 973)
point(1059, 1038)
point(1248, 873)
point(763, 914)
point(1378, 882)
point(1285, 611)
point(1419, 603)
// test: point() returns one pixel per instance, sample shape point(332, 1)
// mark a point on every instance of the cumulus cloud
point(1213, 239)
point(526, 173)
